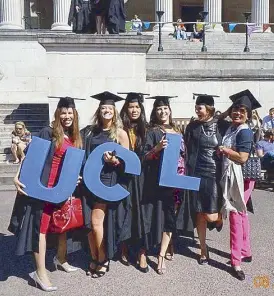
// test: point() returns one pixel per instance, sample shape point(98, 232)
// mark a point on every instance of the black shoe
point(99, 273)
point(220, 227)
point(125, 261)
point(90, 271)
point(203, 261)
point(247, 259)
point(143, 269)
point(238, 274)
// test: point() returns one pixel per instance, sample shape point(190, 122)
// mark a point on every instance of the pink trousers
point(240, 230)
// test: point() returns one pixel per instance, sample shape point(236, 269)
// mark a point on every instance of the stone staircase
point(217, 42)
point(35, 116)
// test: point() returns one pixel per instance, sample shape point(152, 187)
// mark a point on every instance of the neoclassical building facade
point(52, 14)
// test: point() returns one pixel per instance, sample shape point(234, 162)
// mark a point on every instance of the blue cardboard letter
point(33, 165)
point(95, 163)
point(168, 170)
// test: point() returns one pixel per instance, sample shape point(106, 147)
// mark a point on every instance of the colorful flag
point(265, 27)
point(146, 25)
point(231, 27)
point(250, 29)
point(128, 26)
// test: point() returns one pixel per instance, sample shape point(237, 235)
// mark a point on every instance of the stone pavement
point(184, 276)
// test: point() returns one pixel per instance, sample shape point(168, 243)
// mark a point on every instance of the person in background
point(20, 138)
point(116, 19)
point(80, 16)
point(180, 31)
point(268, 121)
point(255, 124)
point(136, 24)
point(101, 7)
point(265, 150)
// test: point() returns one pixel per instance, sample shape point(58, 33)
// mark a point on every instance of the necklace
point(209, 134)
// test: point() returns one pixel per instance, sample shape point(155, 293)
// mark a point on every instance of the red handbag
point(69, 216)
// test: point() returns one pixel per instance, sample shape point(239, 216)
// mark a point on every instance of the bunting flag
point(232, 26)
point(265, 27)
point(213, 26)
point(199, 27)
point(146, 25)
point(128, 26)
point(250, 29)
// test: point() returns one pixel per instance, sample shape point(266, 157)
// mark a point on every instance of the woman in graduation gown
point(134, 120)
point(158, 202)
point(202, 138)
point(30, 220)
point(106, 219)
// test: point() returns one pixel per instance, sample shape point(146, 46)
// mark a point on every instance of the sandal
point(90, 271)
point(170, 252)
point(16, 161)
point(100, 273)
point(203, 261)
point(161, 269)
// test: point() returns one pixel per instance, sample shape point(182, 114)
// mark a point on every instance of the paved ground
point(184, 276)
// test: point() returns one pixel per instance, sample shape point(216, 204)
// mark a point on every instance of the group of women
point(212, 149)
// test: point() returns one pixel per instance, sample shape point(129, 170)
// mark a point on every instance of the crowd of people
point(213, 148)
point(97, 16)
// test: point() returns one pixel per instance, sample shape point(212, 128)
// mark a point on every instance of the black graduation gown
point(117, 223)
point(27, 212)
point(84, 20)
point(158, 204)
point(116, 19)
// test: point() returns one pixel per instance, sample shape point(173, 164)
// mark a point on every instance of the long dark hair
point(140, 123)
point(154, 122)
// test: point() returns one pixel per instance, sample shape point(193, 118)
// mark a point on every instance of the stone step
point(6, 178)
point(5, 142)
point(10, 127)
point(6, 158)
point(23, 117)
point(28, 122)
point(8, 188)
point(8, 168)
point(24, 106)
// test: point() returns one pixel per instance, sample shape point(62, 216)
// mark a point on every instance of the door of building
point(190, 14)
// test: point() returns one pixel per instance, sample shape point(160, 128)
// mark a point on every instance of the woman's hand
point(19, 186)
point(161, 145)
point(110, 158)
point(77, 8)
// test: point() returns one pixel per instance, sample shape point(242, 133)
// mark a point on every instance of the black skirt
point(209, 198)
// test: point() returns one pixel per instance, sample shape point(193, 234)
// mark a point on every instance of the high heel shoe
point(203, 261)
point(138, 266)
point(161, 270)
point(238, 274)
point(65, 266)
point(100, 273)
point(34, 276)
point(90, 271)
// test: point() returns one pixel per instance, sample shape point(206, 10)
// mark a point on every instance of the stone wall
point(45, 65)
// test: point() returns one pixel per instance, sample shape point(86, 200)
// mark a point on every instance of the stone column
point(260, 14)
point(167, 7)
point(214, 9)
point(10, 15)
point(60, 15)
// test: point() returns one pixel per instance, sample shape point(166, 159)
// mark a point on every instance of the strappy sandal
point(203, 261)
point(90, 271)
point(170, 252)
point(100, 273)
point(161, 270)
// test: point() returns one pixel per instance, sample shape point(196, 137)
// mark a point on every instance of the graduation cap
point(161, 100)
point(107, 98)
point(204, 99)
point(133, 97)
point(66, 102)
point(245, 98)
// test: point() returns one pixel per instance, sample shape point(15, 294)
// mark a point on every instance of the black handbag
point(252, 167)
